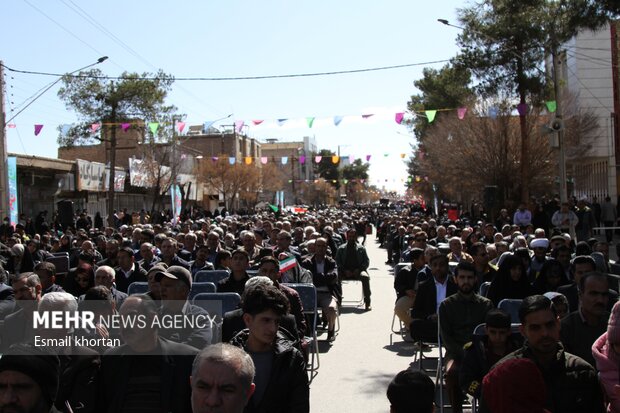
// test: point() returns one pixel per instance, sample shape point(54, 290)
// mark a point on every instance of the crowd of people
point(252, 359)
point(542, 300)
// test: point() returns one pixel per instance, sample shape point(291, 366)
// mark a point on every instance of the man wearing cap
point(28, 381)
point(175, 284)
point(127, 271)
point(540, 247)
point(201, 263)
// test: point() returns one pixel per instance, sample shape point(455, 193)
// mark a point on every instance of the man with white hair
point(105, 275)
point(222, 379)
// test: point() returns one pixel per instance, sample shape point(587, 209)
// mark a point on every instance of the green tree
point(326, 169)
point(95, 99)
point(505, 42)
point(448, 87)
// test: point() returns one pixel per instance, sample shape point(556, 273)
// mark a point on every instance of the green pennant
point(552, 106)
point(273, 208)
point(310, 121)
point(430, 115)
point(153, 126)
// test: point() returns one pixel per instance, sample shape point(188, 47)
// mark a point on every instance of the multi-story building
point(590, 74)
point(298, 167)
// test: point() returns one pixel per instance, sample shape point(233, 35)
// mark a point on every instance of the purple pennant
point(399, 117)
point(367, 116)
point(125, 126)
point(368, 158)
point(37, 129)
point(522, 109)
point(302, 159)
point(214, 158)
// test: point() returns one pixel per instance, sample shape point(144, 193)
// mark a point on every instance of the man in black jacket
point(572, 384)
point(147, 373)
point(128, 270)
point(281, 379)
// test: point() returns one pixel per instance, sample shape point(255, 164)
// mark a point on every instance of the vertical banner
point(175, 193)
point(12, 174)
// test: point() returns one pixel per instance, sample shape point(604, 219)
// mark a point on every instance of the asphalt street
point(354, 372)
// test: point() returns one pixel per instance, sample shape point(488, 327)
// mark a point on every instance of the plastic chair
point(484, 288)
point(402, 331)
point(201, 287)
point(211, 276)
point(138, 287)
point(217, 304)
point(511, 306)
point(307, 294)
point(61, 262)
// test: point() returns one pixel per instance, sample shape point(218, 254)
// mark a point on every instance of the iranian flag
point(287, 264)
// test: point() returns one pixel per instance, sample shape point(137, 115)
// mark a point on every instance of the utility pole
point(293, 177)
point(558, 115)
point(4, 179)
point(112, 125)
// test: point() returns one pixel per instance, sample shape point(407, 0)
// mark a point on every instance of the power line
point(284, 76)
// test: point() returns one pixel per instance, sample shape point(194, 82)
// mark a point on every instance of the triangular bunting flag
point(402, 155)
point(386, 155)
point(522, 109)
point(11, 126)
point(310, 121)
point(37, 129)
point(284, 160)
point(335, 159)
point(180, 126)
point(125, 126)
point(95, 127)
point(239, 125)
point(153, 126)
point(430, 115)
point(493, 113)
point(232, 160)
point(281, 121)
point(399, 117)
point(368, 158)
point(351, 158)
point(215, 158)
point(257, 122)
point(367, 116)
point(460, 112)
point(346, 181)
point(552, 105)
point(302, 160)
point(264, 160)
point(337, 120)
point(207, 125)
point(317, 159)
point(64, 129)
point(248, 160)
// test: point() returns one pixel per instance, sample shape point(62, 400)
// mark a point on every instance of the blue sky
point(238, 38)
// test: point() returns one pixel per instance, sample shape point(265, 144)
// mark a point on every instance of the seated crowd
point(528, 298)
point(147, 370)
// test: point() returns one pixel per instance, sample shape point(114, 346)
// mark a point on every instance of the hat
point(539, 243)
point(43, 368)
point(613, 326)
point(176, 272)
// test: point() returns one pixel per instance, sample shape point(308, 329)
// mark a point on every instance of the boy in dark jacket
point(281, 379)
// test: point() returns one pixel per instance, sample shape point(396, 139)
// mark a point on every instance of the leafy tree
point(448, 87)
point(505, 42)
point(353, 175)
point(94, 99)
point(326, 169)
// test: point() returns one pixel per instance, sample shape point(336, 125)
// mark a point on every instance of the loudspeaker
point(65, 213)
